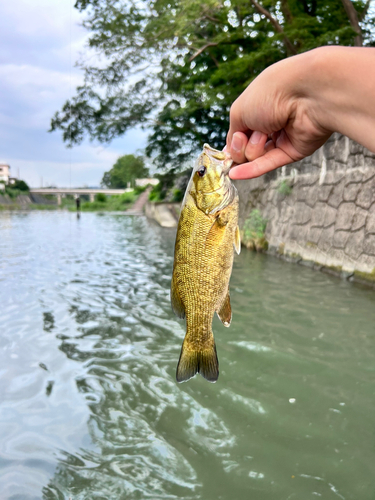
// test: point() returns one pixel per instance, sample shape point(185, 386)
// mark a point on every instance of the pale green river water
point(89, 406)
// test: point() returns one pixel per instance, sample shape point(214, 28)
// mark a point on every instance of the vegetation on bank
point(102, 202)
point(171, 187)
point(253, 234)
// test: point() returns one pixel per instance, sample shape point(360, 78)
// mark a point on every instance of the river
point(89, 406)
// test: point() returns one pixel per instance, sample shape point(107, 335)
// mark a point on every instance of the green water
point(89, 407)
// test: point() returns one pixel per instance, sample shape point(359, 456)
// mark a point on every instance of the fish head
point(212, 187)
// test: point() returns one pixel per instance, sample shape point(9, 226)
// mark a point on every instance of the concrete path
point(137, 208)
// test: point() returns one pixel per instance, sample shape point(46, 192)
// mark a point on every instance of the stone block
point(369, 245)
point(355, 161)
point(351, 191)
point(326, 238)
point(340, 239)
point(318, 213)
point(365, 196)
point(313, 235)
point(324, 193)
point(286, 213)
point(301, 192)
point(355, 244)
point(329, 215)
point(342, 149)
point(294, 230)
point(345, 214)
point(369, 173)
point(333, 178)
point(359, 219)
point(337, 195)
point(370, 223)
point(312, 196)
point(302, 213)
point(355, 148)
point(301, 235)
point(353, 176)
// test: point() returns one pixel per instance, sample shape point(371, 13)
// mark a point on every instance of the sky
point(39, 44)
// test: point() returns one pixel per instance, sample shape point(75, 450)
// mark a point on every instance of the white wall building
point(4, 175)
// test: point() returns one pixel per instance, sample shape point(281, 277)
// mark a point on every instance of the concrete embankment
point(320, 211)
point(166, 214)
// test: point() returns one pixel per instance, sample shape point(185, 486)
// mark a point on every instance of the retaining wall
point(320, 211)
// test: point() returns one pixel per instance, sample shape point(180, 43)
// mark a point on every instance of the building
point(146, 182)
point(4, 175)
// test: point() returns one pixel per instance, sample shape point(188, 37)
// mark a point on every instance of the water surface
point(89, 407)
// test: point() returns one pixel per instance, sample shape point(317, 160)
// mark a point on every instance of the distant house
point(145, 182)
point(4, 175)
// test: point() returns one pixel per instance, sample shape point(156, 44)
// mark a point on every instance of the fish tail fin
point(203, 361)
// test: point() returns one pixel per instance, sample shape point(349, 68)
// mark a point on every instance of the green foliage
point(12, 192)
point(178, 195)
point(113, 203)
point(179, 64)
point(127, 168)
point(21, 185)
point(160, 191)
point(101, 197)
point(254, 226)
point(284, 188)
point(140, 189)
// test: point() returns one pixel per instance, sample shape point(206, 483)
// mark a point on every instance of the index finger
point(270, 161)
point(236, 120)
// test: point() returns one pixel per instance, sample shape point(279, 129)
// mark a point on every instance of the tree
point(127, 169)
point(175, 66)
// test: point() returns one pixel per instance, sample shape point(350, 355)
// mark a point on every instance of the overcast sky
point(40, 40)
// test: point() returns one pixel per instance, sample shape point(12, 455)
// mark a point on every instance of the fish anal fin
point(177, 305)
point(237, 241)
point(203, 361)
point(225, 311)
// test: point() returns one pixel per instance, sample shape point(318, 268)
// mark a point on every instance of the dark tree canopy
point(127, 169)
point(176, 66)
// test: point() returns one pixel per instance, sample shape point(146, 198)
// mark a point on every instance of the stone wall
point(320, 211)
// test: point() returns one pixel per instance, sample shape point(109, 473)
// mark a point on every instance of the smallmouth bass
point(207, 235)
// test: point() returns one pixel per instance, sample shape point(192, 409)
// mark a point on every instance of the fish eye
point(201, 171)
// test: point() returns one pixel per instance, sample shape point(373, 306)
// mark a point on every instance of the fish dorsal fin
point(177, 305)
point(237, 241)
point(225, 311)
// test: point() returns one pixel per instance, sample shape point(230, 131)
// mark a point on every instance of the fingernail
point(255, 137)
point(224, 148)
point(236, 143)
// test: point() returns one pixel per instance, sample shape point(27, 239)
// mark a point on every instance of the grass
point(253, 231)
point(284, 188)
point(114, 203)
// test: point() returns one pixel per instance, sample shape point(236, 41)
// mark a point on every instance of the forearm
point(340, 88)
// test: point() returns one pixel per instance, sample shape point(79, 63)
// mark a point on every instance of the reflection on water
point(89, 407)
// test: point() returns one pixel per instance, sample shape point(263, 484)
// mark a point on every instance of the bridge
point(62, 192)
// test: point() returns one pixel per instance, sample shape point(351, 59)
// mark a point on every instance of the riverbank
point(320, 212)
point(102, 203)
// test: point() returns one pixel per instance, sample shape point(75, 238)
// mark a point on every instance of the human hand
point(276, 120)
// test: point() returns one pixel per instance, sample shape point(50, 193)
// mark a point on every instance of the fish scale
point(206, 235)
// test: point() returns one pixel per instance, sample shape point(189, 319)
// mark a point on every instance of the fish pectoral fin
point(177, 305)
point(225, 311)
point(237, 241)
point(203, 361)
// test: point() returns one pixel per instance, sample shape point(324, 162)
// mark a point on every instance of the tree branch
point(202, 49)
point(354, 23)
point(362, 15)
point(288, 44)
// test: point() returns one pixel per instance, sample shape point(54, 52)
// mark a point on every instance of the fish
point(207, 236)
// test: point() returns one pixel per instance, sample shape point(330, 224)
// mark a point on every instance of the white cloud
point(41, 41)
